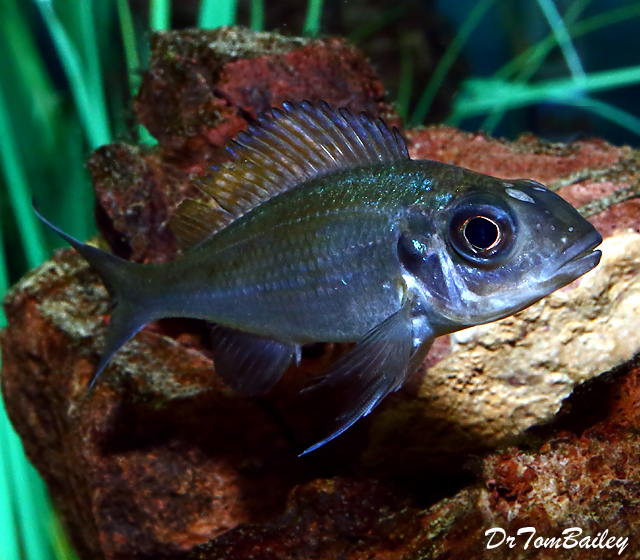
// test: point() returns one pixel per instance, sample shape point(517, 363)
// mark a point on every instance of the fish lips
point(573, 262)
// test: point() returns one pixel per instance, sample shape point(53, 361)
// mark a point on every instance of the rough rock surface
point(201, 85)
point(164, 458)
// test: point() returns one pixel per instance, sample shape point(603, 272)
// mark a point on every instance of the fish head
point(494, 249)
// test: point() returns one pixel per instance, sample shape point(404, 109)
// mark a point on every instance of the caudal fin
point(119, 276)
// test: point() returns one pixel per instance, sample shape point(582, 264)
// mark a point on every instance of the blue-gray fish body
point(321, 229)
point(317, 263)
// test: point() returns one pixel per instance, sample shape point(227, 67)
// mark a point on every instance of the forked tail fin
point(120, 277)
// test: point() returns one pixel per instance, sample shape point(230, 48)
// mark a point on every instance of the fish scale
point(259, 266)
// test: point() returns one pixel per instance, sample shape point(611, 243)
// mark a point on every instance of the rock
point(136, 190)
point(334, 518)
point(202, 85)
point(164, 461)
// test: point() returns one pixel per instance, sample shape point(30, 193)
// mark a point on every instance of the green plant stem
point(4, 286)
point(540, 50)
point(406, 77)
point(609, 112)
point(534, 62)
point(92, 57)
point(24, 495)
point(160, 15)
point(371, 27)
point(447, 60)
point(312, 20)
point(19, 193)
point(30, 516)
point(215, 13)
point(93, 117)
point(257, 15)
point(9, 549)
point(479, 96)
point(564, 40)
point(31, 70)
point(127, 31)
point(59, 541)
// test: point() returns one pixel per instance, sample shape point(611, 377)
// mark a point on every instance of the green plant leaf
point(447, 60)
point(215, 13)
point(313, 18)
point(160, 15)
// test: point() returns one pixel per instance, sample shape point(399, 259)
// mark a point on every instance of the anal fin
point(358, 381)
point(249, 363)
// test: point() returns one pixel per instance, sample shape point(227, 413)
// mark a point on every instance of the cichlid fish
point(322, 229)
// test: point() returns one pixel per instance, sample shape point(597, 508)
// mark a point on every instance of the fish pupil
point(481, 232)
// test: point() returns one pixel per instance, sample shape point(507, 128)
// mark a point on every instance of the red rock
point(136, 190)
point(354, 520)
point(528, 157)
point(202, 85)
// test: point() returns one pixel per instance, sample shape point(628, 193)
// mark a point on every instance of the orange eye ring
point(474, 231)
point(482, 229)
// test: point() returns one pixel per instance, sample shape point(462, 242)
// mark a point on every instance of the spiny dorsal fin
point(277, 153)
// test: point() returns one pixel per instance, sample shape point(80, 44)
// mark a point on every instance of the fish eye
point(482, 229)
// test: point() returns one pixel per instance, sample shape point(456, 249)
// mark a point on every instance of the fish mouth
point(576, 260)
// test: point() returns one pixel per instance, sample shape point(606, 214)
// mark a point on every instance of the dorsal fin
point(277, 153)
point(194, 222)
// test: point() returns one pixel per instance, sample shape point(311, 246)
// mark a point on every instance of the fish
point(321, 228)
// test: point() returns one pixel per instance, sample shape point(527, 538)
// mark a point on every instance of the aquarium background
point(559, 69)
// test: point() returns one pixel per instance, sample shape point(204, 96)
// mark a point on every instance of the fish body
point(321, 229)
point(318, 263)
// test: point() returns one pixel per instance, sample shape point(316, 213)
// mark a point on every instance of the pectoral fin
point(357, 382)
point(249, 363)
